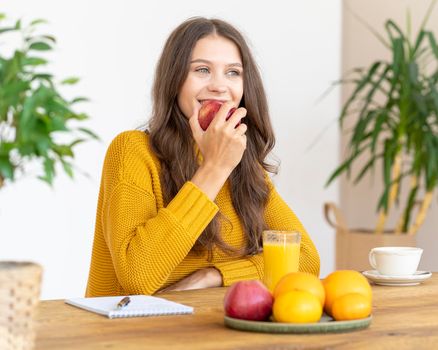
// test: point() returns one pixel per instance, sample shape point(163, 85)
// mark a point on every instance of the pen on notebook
point(122, 303)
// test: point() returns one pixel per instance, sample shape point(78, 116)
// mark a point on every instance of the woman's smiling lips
point(204, 101)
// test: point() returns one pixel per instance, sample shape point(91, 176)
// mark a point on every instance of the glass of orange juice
point(281, 255)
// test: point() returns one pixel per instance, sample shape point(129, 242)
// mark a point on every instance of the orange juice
point(280, 258)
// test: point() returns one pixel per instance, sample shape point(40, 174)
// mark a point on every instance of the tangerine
point(351, 306)
point(342, 282)
point(297, 307)
point(300, 281)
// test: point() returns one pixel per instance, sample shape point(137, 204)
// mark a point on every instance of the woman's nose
point(217, 84)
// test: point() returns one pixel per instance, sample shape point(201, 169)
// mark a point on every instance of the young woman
point(182, 208)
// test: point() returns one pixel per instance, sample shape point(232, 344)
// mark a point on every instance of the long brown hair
point(172, 141)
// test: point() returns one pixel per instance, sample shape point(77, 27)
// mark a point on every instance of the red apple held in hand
point(208, 112)
point(248, 300)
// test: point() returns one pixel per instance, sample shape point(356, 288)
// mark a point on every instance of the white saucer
point(385, 280)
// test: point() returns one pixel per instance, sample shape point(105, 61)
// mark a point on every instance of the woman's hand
point(221, 145)
point(204, 278)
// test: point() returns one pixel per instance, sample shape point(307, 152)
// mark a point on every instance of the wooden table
point(403, 318)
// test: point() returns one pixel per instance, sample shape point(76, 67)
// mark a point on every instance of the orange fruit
point(297, 307)
point(300, 281)
point(342, 282)
point(351, 307)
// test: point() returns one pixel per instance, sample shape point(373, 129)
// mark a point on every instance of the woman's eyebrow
point(201, 60)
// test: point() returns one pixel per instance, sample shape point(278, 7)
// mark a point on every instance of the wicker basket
point(19, 296)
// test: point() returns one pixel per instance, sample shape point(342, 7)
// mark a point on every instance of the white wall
point(113, 46)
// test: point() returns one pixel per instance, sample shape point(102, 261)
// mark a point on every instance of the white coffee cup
point(395, 261)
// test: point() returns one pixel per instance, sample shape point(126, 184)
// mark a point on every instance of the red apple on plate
point(208, 112)
point(248, 300)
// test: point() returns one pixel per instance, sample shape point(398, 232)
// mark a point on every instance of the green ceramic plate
point(325, 325)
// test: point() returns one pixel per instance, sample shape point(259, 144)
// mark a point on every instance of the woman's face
point(216, 73)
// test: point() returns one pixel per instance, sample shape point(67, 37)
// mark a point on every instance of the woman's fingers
point(224, 141)
point(241, 129)
point(237, 117)
point(221, 115)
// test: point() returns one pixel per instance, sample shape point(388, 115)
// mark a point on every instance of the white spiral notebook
point(140, 305)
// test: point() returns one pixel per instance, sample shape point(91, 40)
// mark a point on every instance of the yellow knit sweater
point(140, 246)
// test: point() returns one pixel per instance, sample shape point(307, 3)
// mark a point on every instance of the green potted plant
point(37, 124)
point(395, 103)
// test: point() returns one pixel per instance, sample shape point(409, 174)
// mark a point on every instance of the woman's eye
point(202, 70)
point(234, 72)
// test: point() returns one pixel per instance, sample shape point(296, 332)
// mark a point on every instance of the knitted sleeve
point(249, 268)
point(279, 216)
point(147, 242)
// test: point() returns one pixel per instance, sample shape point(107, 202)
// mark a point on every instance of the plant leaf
point(8, 29)
point(38, 21)
point(6, 168)
point(50, 38)
point(360, 85)
point(421, 35)
point(63, 150)
point(380, 120)
point(70, 81)
point(32, 109)
point(76, 142)
point(67, 168)
point(433, 44)
point(79, 99)
point(40, 46)
point(409, 207)
point(34, 61)
point(49, 170)
point(367, 167)
point(90, 133)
